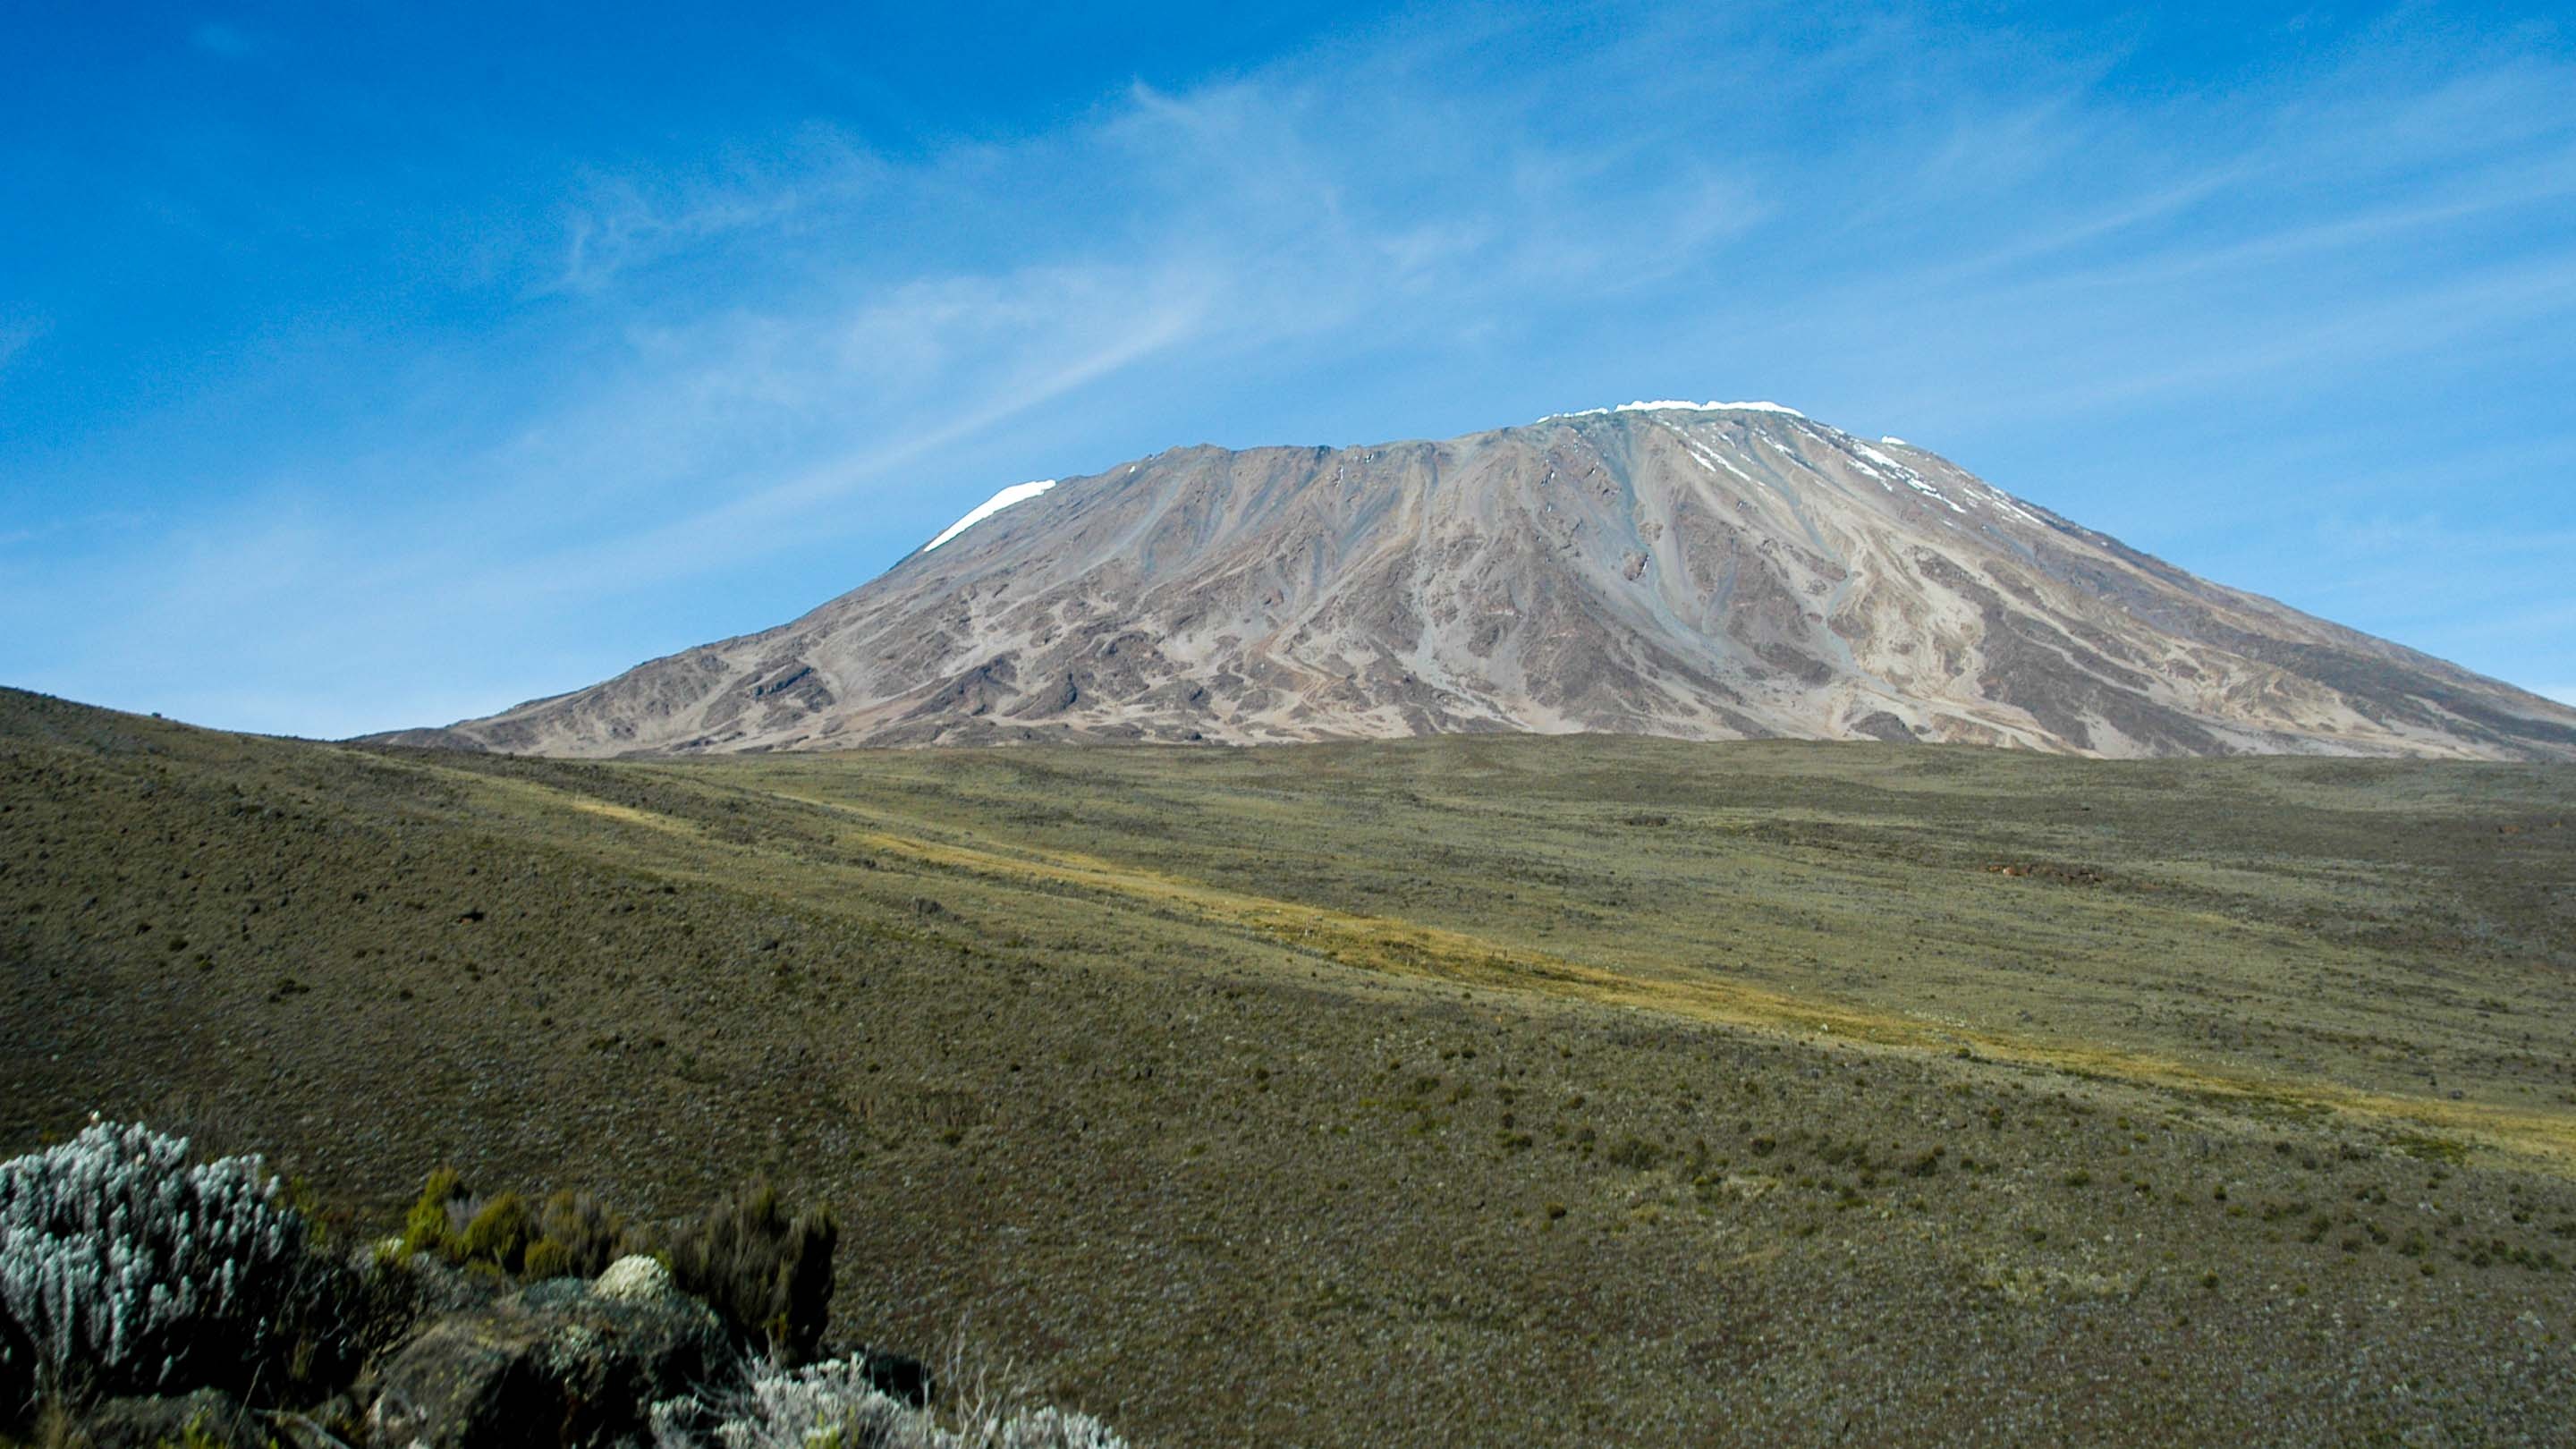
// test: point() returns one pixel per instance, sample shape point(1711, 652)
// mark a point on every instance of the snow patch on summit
point(1667, 405)
point(1707, 407)
point(1016, 493)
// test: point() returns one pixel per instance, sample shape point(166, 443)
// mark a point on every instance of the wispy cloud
point(619, 221)
point(729, 384)
point(1067, 332)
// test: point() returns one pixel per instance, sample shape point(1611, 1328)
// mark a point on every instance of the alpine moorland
point(1464, 1090)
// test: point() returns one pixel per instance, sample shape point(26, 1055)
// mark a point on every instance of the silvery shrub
point(126, 1268)
point(835, 1405)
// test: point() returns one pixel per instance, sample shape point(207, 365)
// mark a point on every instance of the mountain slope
point(1706, 571)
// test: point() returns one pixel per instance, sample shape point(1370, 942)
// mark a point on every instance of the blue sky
point(366, 365)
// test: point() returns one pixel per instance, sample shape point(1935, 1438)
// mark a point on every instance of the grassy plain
point(2393, 938)
point(1576, 1090)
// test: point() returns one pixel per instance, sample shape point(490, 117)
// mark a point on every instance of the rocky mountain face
point(1707, 571)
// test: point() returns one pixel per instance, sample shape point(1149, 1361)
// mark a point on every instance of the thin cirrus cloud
point(15, 338)
point(619, 222)
point(725, 383)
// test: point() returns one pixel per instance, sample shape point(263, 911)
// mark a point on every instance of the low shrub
point(1636, 1153)
point(548, 1259)
point(127, 1268)
point(430, 1226)
point(500, 1234)
point(837, 1404)
point(577, 1236)
point(768, 1274)
point(571, 1235)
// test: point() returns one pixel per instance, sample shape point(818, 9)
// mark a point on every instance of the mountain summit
point(1702, 570)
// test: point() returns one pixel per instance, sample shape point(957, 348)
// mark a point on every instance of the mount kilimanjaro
point(1706, 571)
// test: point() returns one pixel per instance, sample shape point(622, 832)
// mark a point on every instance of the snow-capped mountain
point(1703, 570)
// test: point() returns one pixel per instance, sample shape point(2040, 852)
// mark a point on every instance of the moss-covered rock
point(554, 1364)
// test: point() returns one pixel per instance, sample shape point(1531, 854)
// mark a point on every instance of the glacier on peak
point(1016, 493)
point(1663, 405)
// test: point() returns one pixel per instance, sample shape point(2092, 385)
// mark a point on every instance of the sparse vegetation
point(766, 1271)
point(196, 1292)
point(1139, 1100)
point(841, 1404)
point(578, 1237)
point(499, 1234)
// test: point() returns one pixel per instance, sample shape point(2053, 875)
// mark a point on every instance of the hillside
point(1717, 571)
point(1452, 1091)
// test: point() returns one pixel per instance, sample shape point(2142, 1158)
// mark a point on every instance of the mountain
point(1706, 571)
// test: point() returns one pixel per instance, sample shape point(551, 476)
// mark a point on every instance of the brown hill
point(1715, 571)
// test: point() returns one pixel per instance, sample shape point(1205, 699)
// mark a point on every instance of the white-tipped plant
point(124, 1267)
point(835, 1404)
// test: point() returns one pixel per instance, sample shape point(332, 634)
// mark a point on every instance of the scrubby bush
point(837, 1405)
point(499, 1234)
point(578, 1237)
point(431, 1226)
point(571, 1235)
point(126, 1268)
point(548, 1259)
point(1637, 1153)
point(768, 1274)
